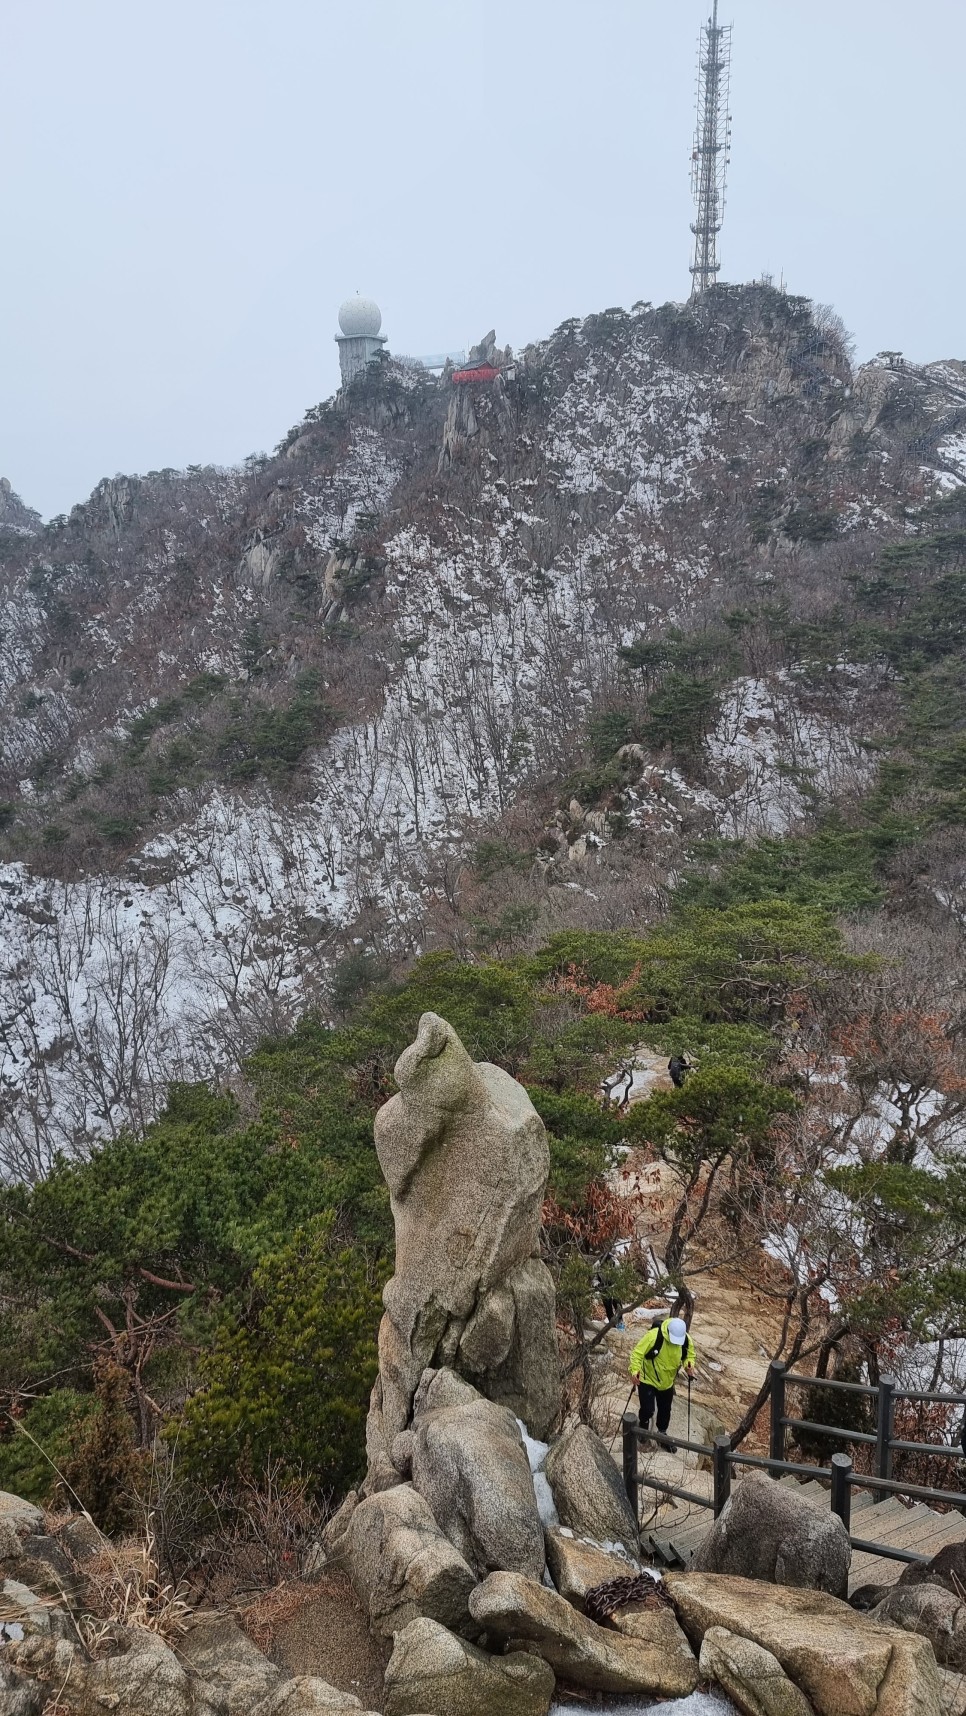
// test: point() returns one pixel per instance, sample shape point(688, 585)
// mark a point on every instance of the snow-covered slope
point(459, 617)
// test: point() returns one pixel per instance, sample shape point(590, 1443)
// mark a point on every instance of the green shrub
point(608, 731)
point(56, 1424)
point(106, 1470)
point(810, 524)
point(287, 1384)
point(680, 714)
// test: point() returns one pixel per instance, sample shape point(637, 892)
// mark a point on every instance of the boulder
point(11, 1546)
point(947, 1568)
point(515, 1611)
point(578, 1567)
point(20, 1696)
point(953, 1692)
point(465, 1157)
point(750, 1675)
point(32, 1614)
point(402, 1453)
point(217, 1650)
point(146, 1679)
point(43, 1658)
point(334, 1541)
point(767, 1531)
point(934, 1612)
point(844, 1662)
point(866, 1597)
point(657, 1627)
point(470, 1465)
point(313, 1561)
point(80, 1537)
point(588, 1489)
point(306, 1695)
point(433, 1673)
point(403, 1566)
point(21, 1516)
point(41, 1563)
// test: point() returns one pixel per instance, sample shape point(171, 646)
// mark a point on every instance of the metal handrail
point(844, 1478)
point(898, 1487)
point(675, 1490)
point(830, 1382)
point(869, 1388)
point(679, 1441)
point(943, 1448)
point(928, 1394)
point(767, 1465)
point(888, 1551)
point(834, 1431)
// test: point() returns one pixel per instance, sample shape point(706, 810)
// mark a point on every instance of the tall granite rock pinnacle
point(465, 1157)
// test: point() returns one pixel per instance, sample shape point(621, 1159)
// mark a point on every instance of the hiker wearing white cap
point(666, 1349)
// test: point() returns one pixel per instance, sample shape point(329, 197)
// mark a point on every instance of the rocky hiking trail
point(736, 1329)
point(728, 1327)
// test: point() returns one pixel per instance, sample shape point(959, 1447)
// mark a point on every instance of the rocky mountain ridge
point(255, 720)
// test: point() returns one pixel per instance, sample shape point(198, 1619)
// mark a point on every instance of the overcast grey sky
point(191, 187)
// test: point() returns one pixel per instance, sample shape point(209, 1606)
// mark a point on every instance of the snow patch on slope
point(638, 440)
point(774, 755)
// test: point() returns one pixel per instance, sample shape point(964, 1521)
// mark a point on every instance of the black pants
point(650, 1397)
point(613, 1310)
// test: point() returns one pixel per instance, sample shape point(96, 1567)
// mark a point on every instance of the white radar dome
point(360, 316)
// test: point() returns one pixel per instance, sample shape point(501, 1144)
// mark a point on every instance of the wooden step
point(903, 1526)
point(920, 1538)
point(690, 1536)
point(879, 1520)
point(924, 1536)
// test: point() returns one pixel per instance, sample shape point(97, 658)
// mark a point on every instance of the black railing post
point(842, 1488)
point(884, 1429)
point(842, 1502)
point(776, 1449)
point(629, 1425)
point(721, 1470)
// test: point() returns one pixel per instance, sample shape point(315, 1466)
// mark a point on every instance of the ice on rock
point(697, 1704)
point(536, 1451)
point(546, 1506)
point(536, 1454)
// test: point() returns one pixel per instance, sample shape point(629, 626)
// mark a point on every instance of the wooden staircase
point(674, 1534)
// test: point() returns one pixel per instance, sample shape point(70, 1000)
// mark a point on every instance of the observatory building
point(360, 320)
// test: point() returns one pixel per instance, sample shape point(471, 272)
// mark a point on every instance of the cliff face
point(15, 517)
point(254, 718)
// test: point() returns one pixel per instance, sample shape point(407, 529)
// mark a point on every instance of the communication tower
point(712, 149)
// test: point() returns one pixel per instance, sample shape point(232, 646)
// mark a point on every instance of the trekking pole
point(621, 1418)
point(689, 1406)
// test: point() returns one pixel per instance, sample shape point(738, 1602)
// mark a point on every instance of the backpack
point(653, 1351)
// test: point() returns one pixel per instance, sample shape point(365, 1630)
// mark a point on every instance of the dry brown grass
point(274, 1608)
point(125, 1590)
point(10, 1611)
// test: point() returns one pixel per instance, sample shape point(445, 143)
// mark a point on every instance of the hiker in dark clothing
point(605, 1281)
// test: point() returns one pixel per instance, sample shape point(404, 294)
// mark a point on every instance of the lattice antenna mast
point(712, 149)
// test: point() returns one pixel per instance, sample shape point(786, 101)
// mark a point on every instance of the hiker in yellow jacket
point(664, 1350)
